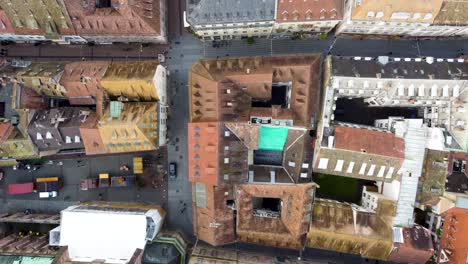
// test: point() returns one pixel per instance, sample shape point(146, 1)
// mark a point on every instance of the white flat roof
point(112, 236)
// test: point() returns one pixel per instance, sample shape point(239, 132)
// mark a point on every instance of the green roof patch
point(116, 109)
point(272, 138)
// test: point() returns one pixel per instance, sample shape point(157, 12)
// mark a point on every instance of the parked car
point(48, 194)
point(172, 170)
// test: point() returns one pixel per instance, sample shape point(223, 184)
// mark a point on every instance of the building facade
point(402, 18)
point(302, 19)
point(225, 19)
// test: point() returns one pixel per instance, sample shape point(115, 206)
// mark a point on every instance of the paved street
point(72, 171)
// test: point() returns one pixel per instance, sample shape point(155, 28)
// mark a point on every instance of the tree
point(250, 40)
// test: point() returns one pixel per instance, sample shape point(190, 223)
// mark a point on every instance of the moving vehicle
point(138, 165)
point(172, 170)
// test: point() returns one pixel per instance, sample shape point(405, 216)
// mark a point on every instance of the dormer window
point(370, 14)
point(427, 16)
point(296, 15)
point(416, 15)
point(285, 15)
point(322, 14)
point(48, 135)
point(39, 136)
point(309, 15)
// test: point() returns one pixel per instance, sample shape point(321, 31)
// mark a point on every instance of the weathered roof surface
point(369, 141)
point(38, 17)
point(434, 176)
point(303, 11)
point(213, 222)
point(453, 12)
point(81, 80)
point(134, 129)
point(414, 11)
point(223, 89)
point(138, 17)
point(357, 164)
point(30, 99)
point(91, 137)
point(133, 80)
point(227, 11)
point(444, 70)
point(416, 246)
point(203, 152)
point(290, 229)
point(335, 227)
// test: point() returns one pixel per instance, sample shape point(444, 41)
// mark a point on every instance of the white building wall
point(233, 30)
point(160, 81)
point(286, 29)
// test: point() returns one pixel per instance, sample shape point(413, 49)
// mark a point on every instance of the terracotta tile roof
point(91, 137)
point(30, 99)
point(369, 141)
point(137, 17)
point(416, 247)
point(289, 229)
point(214, 223)
point(5, 131)
point(203, 152)
point(81, 81)
point(454, 240)
point(222, 89)
point(309, 10)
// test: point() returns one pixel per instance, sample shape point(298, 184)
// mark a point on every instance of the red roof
point(312, 10)
point(20, 188)
point(454, 241)
point(203, 152)
point(5, 131)
point(369, 141)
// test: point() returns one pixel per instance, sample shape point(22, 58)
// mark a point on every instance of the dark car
point(172, 170)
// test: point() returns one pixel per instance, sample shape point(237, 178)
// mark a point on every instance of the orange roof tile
point(290, 229)
point(223, 89)
point(203, 152)
point(81, 81)
point(309, 10)
point(454, 238)
point(137, 17)
point(369, 141)
point(91, 137)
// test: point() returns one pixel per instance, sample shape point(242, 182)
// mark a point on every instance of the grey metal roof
point(61, 123)
point(229, 11)
point(414, 68)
